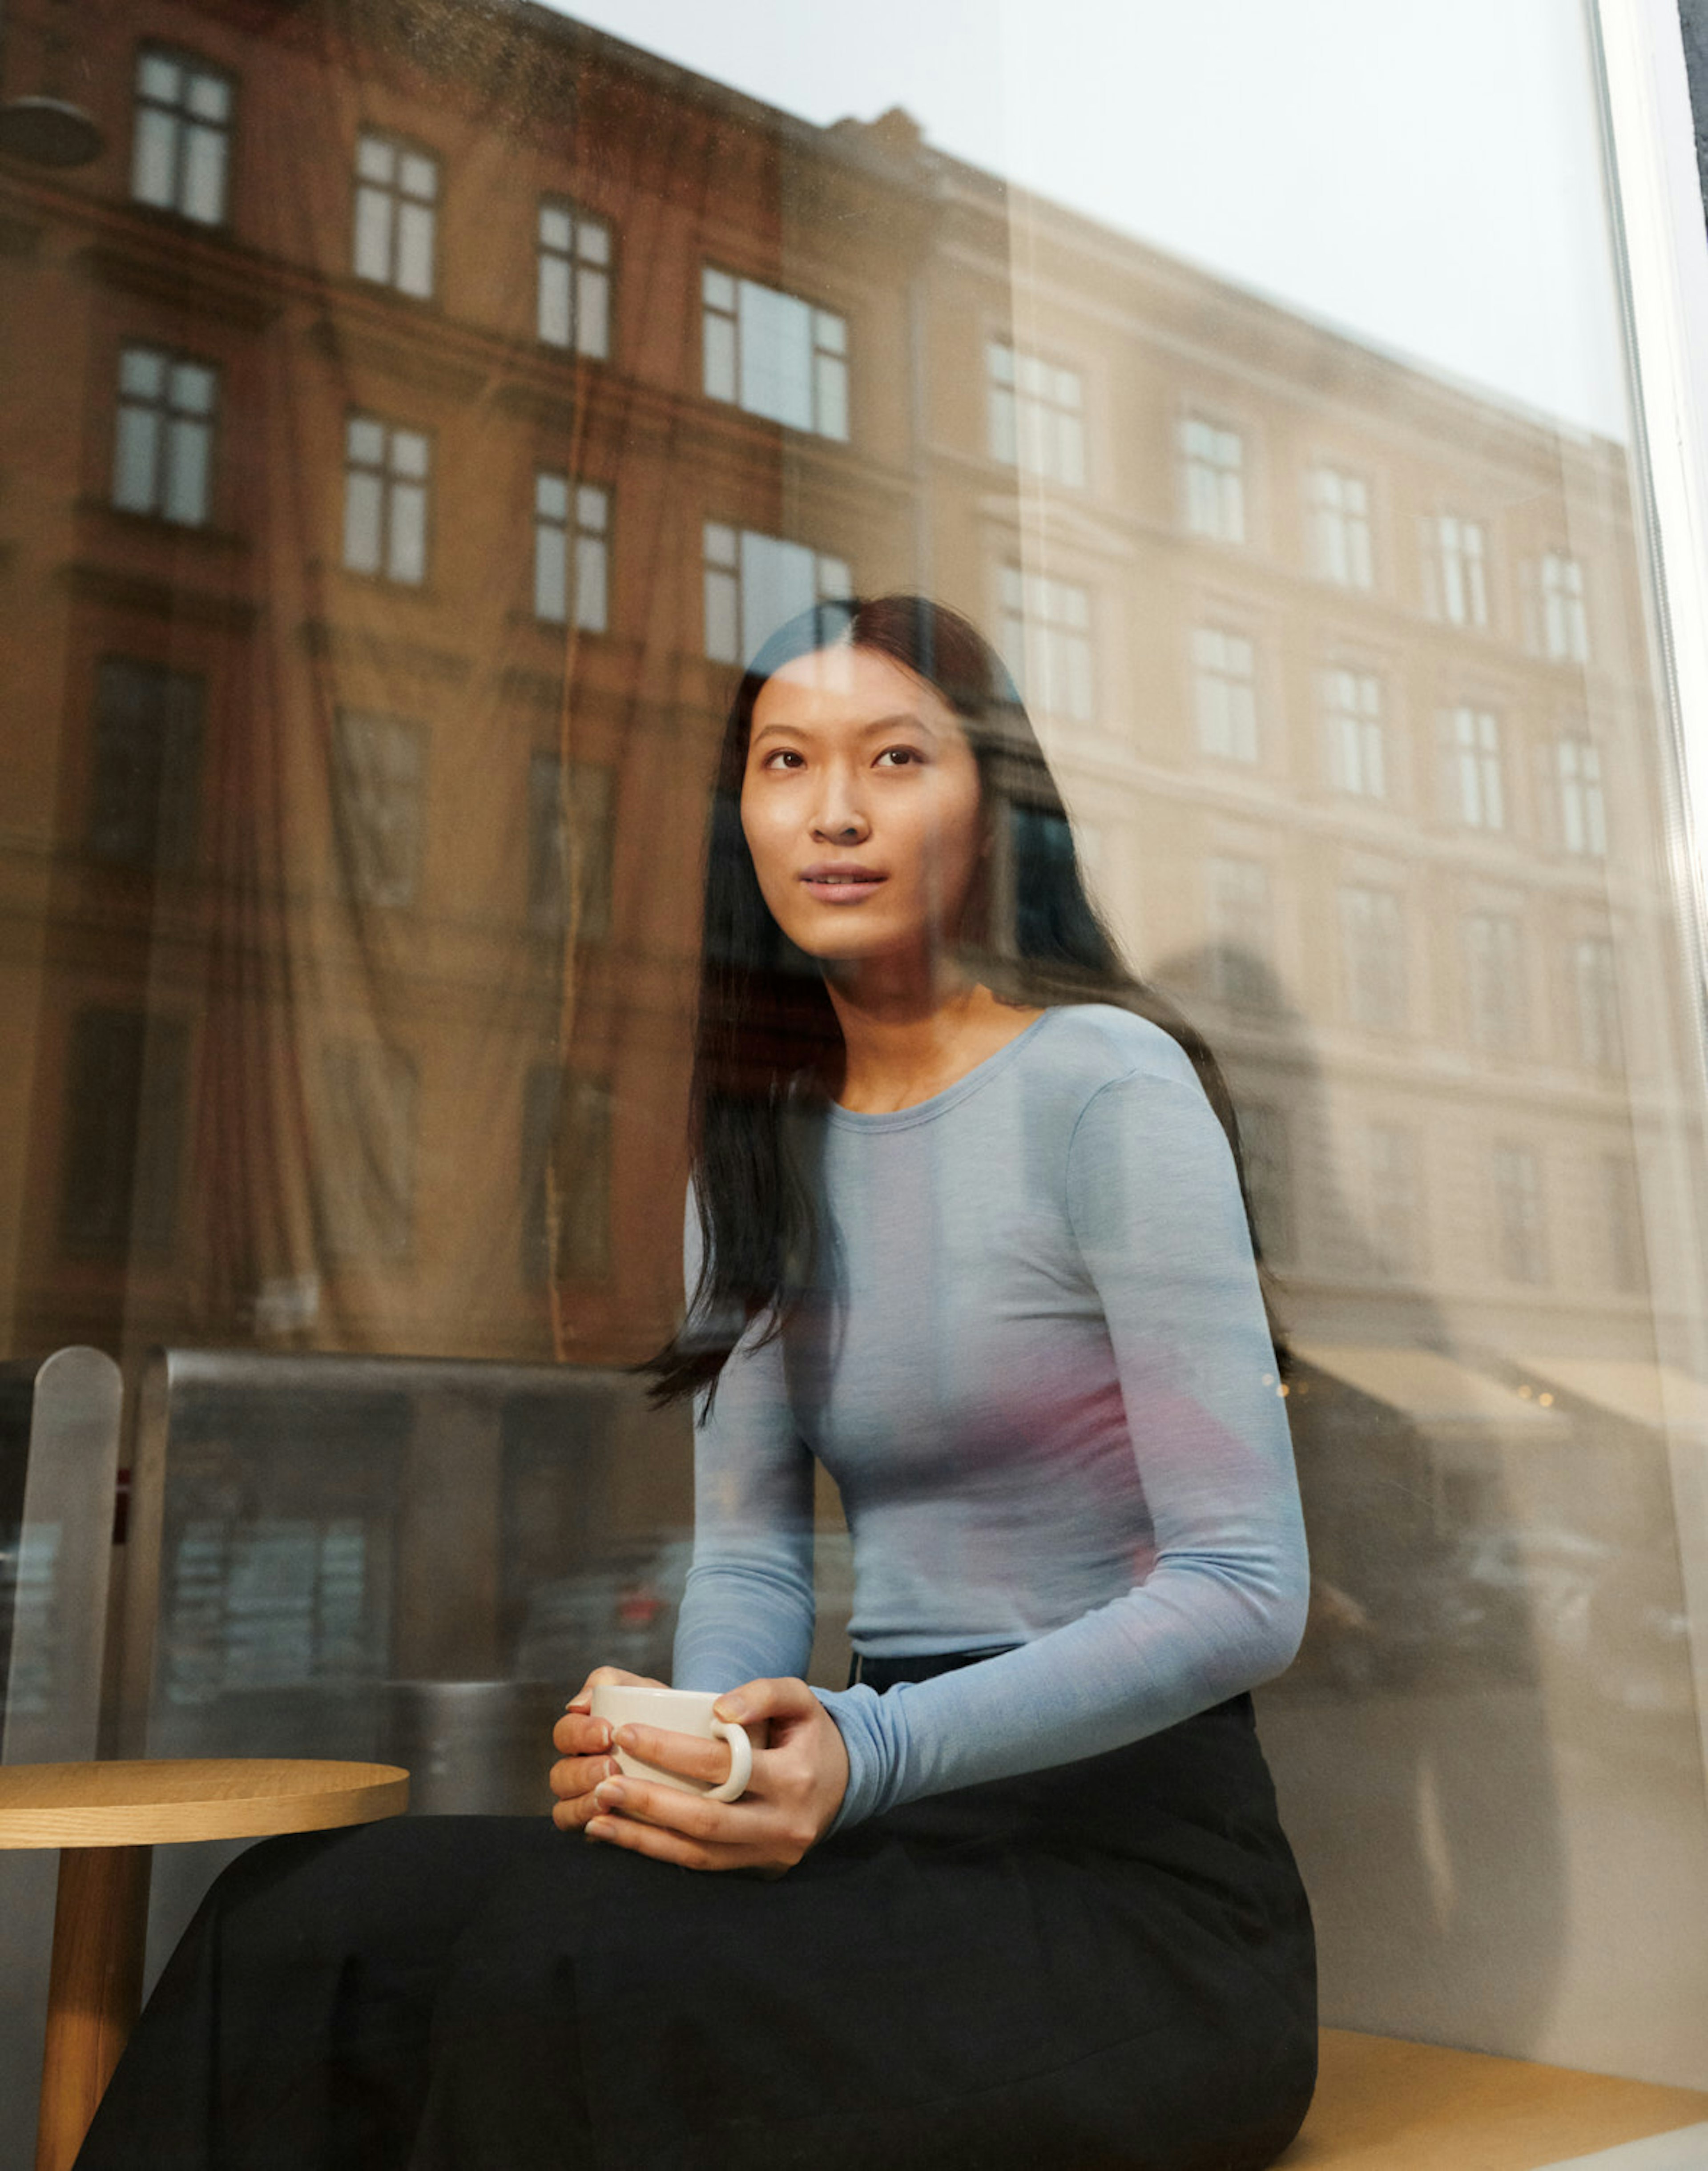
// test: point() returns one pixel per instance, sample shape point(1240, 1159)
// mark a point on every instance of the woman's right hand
point(584, 1746)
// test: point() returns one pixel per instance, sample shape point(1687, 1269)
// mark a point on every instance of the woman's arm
point(1155, 1207)
point(747, 1609)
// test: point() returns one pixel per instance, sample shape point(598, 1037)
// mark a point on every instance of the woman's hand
point(586, 1742)
point(796, 1791)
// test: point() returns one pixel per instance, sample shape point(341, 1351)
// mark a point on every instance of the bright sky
point(1426, 176)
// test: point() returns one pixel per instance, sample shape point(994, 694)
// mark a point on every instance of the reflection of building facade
point(401, 455)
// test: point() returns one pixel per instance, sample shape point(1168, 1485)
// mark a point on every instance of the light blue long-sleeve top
point(1035, 1360)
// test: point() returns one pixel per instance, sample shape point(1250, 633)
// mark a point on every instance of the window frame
point(181, 56)
point(728, 315)
point(545, 252)
point(402, 147)
point(167, 418)
point(390, 482)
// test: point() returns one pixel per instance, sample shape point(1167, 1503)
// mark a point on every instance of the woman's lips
point(842, 884)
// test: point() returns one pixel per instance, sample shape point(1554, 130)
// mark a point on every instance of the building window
point(1037, 418)
point(565, 1135)
point(1394, 1201)
point(1044, 635)
point(163, 459)
point(1517, 1187)
point(1215, 475)
point(1495, 982)
point(368, 1169)
point(1595, 988)
point(1357, 741)
point(572, 547)
point(1472, 751)
point(1225, 693)
point(1622, 1223)
point(378, 776)
point(385, 500)
point(575, 281)
point(396, 194)
point(1240, 974)
point(1373, 953)
point(1455, 570)
point(570, 840)
point(774, 355)
point(1340, 510)
point(146, 765)
point(125, 1104)
point(755, 583)
point(1564, 628)
point(180, 155)
point(1266, 1150)
point(1582, 810)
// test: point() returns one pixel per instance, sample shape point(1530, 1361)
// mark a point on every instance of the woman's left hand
point(796, 1791)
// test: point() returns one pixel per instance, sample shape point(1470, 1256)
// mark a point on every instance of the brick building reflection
point(410, 418)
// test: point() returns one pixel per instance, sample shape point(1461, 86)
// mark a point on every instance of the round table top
point(146, 1802)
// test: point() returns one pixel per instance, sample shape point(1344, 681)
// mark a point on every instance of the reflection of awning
point(1425, 1384)
point(1647, 1394)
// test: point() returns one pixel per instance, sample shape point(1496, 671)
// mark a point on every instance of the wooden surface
point(153, 1801)
point(100, 1929)
point(1386, 2105)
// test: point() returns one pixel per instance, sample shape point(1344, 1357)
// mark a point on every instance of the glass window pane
point(720, 547)
point(776, 349)
point(374, 234)
point(592, 298)
point(550, 574)
point(365, 440)
point(142, 371)
point(551, 495)
point(722, 638)
point(407, 555)
point(418, 176)
point(192, 388)
point(554, 228)
point(555, 300)
point(154, 157)
point(719, 289)
point(719, 334)
point(831, 404)
point(210, 97)
point(592, 241)
point(136, 460)
point(409, 452)
point(363, 522)
point(376, 160)
point(158, 78)
point(189, 452)
point(592, 508)
point(204, 175)
point(591, 563)
point(415, 250)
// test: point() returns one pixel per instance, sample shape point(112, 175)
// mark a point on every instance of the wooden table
point(104, 1818)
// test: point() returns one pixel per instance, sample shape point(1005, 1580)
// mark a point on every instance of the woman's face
point(860, 805)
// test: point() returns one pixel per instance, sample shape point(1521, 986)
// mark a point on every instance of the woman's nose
point(839, 820)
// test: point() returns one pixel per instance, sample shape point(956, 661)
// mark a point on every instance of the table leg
point(100, 1925)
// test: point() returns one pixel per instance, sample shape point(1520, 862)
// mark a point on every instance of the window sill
point(158, 526)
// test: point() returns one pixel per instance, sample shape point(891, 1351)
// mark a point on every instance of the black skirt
point(1106, 1964)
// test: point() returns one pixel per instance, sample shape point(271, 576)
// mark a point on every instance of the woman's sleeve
point(748, 1606)
point(1155, 1208)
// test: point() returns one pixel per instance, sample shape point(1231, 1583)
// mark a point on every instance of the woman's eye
point(784, 757)
point(900, 757)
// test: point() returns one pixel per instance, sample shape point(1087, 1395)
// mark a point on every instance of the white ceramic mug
point(679, 1711)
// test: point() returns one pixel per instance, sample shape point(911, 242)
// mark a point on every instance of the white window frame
point(388, 481)
point(181, 134)
point(1036, 412)
point(164, 436)
point(1456, 570)
point(1212, 462)
point(571, 552)
point(1565, 624)
point(1582, 803)
point(572, 306)
point(1474, 754)
point(730, 556)
point(1044, 637)
point(1225, 693)
point(396, 214)
point(739, 349)
point(1355, 730)
point(1341, 510)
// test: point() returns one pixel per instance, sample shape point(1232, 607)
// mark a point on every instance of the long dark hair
point(767, 1037)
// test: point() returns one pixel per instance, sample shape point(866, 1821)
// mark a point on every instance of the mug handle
point(740, 1760)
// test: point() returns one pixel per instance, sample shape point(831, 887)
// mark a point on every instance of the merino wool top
point(1034, 1358)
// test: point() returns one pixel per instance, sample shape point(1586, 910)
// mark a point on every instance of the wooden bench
point(1386, 2105)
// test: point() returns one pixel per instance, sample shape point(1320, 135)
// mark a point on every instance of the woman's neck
point(906, 1040)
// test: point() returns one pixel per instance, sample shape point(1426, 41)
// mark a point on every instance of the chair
point(59, 1461)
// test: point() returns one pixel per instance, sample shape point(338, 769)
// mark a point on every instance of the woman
point(967, 1224)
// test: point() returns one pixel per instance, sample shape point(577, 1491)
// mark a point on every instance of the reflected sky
point(1427, 179)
